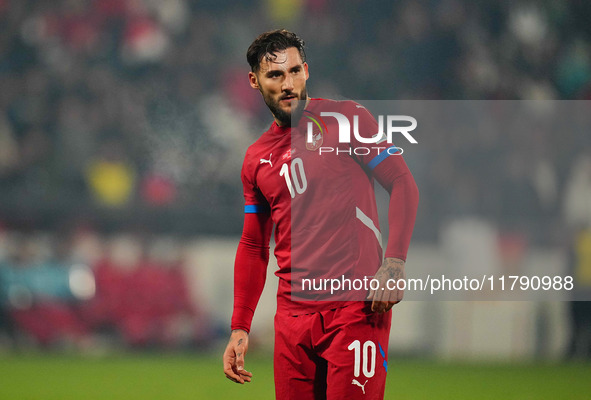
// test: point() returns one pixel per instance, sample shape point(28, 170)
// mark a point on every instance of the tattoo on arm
point(240, 342)
point(393, 268)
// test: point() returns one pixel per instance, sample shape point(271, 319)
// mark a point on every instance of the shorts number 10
point(368, 364)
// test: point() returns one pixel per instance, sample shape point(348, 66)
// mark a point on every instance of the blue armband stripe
point(381, 157)
point(255, 208)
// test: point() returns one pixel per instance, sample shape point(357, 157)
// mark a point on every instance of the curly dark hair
point(269, 43)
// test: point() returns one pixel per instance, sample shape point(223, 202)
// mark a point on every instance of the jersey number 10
point(298, 177)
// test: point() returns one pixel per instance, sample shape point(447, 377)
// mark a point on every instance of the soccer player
point(328, 344)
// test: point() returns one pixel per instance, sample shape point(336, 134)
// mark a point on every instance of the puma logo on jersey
point(263, 161)
point(356, 382)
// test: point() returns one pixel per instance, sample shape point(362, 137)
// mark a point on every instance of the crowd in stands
point(144, 105)
point(90, 292)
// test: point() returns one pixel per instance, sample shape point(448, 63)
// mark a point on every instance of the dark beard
point(288, 118)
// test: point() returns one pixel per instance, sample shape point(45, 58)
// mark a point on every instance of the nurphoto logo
point(387, 126)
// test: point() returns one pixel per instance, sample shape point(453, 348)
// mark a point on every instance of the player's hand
point(234, 357)
point(383, 299)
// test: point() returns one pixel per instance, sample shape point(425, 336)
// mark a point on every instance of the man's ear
point(252, 79)
point(306, 70)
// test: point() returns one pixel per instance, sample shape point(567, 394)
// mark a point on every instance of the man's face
point(282, 82)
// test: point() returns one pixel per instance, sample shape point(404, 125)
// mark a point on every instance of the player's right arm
point(234, 357)
point(250, 271)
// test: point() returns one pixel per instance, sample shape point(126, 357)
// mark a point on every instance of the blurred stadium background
point(123, 125)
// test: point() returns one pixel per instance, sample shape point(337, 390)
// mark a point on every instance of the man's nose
point(287, 84)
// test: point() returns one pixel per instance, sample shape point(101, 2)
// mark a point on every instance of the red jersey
point(322, 204)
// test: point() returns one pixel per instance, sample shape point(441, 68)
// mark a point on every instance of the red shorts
point(334, 354)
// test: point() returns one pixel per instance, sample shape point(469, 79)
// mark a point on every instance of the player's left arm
point(392, 269)
point(391, 171)
point(394, 176)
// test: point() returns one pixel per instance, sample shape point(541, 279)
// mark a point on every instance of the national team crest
point(315, 131)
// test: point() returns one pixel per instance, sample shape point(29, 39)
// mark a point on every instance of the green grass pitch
point(199, 377)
